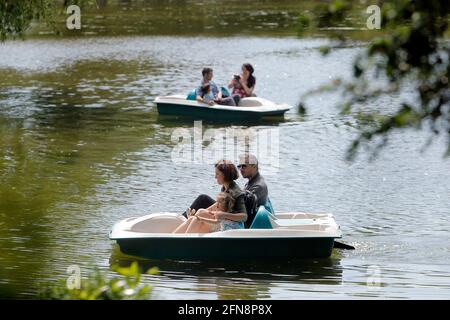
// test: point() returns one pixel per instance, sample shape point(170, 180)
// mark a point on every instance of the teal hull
point(226, 248)
point(212, 113)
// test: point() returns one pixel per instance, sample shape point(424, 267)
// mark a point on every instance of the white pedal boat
point(289, 235)
point(251, 108)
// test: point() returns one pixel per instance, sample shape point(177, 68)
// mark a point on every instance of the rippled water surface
point(82, 146)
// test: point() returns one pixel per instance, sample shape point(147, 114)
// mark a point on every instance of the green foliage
point(412, 51)
point(16, 16)
point(324, 16)
point(98, 287)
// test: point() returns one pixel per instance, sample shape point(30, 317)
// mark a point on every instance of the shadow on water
point(323, 271)
point(180, 121)
point(245, 279)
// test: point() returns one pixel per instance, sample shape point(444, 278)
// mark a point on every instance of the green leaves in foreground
point(126, 286)
point(412, 54)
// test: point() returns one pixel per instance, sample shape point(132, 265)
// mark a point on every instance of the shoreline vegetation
point(191, 18)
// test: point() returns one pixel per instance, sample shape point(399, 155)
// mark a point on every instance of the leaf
point(153, 271)
point(132, 270)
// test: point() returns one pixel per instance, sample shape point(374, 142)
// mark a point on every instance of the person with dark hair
point(207, 211)
point(216, 94)
point(243, 86)
point(207, 94)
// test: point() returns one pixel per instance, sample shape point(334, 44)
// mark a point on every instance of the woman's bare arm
point(212, 207)
point(204, 213)
point(248, 90)
point(207, 219)
point(238, 217)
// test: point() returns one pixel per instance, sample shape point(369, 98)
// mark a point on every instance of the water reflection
point(178, 121)
point(81, 147)
point(245, 279)
point(56, 150)
point(196, 17)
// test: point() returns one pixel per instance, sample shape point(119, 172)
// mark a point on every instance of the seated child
point(225, 203)
point(207, 94)
point(203, 221)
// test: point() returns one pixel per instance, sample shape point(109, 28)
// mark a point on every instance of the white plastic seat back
point(158, 224)
point(255, 102)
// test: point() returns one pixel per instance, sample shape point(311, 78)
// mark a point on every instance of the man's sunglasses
point(243, 166)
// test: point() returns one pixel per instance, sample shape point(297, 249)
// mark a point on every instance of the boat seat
point(192, 95)
point(225, 92)
point(250, 102)
point(292, 222)
point(265, 219)
point(262, 219)
point(269, 207)
point(158, 223)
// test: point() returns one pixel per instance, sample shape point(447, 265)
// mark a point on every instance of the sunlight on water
point(82, 147)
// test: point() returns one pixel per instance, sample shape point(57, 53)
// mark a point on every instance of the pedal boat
point(289, 235)
point(251, 108)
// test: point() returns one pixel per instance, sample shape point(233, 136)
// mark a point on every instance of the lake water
point(82, 146)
